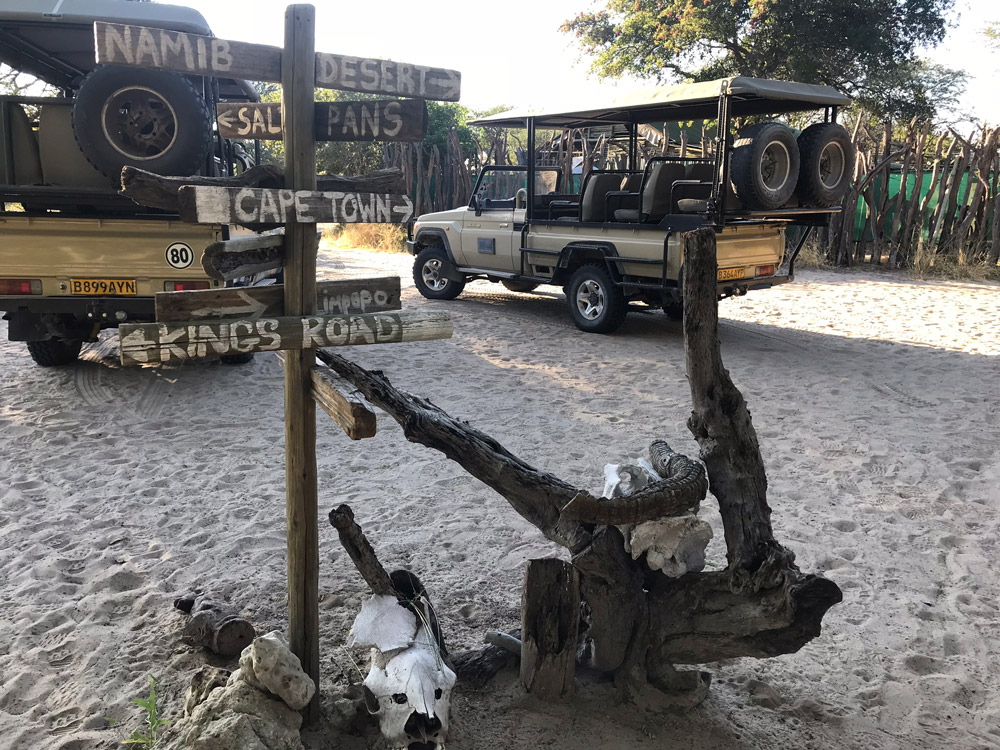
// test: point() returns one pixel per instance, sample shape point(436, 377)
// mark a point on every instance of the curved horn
point(681, 490)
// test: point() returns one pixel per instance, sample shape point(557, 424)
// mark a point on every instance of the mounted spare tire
point(135, 117)
point(765, 166)
point(827, 164)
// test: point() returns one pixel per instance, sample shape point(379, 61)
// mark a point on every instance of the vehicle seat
point(593, 206)
point(632, 183)
point(655, 193)
point(25, 168)
point(62, 161)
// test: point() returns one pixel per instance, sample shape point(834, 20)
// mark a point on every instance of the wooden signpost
point(394, 120)
point(300, 315)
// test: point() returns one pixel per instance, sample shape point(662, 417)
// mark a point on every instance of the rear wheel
point(596, 304)
point(674, 309)
point(519, 286)
point(55, 352)
point(429, 278)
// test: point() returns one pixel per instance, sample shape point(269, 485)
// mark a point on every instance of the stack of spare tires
point(770, 166)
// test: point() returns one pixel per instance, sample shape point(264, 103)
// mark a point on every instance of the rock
point(267, 664)
point(205, 680)
point(674, 545)
point(762, 694)
point(237, 717)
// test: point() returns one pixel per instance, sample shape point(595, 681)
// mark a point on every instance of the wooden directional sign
point(340, 297)
point(393, 120)
point(121, 44)
point(147, 343)
point(248, 206)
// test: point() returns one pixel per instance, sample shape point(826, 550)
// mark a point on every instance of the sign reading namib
point(217, 205)
point(149, 343)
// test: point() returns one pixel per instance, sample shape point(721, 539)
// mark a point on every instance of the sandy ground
point(877, 402)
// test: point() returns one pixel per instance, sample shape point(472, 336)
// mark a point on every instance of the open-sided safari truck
point(75, 256)
point(615, 239)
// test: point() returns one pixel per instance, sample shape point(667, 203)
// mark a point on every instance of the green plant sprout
point(153, 720)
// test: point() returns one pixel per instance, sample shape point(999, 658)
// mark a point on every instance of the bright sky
point(513, 52)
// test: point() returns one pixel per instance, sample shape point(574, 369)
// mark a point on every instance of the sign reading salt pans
point(216, 205)
point(122, 44)
point(394, 120)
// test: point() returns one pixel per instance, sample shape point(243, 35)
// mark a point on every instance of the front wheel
point(55, 352)
point(596, 304)
point(428, 275)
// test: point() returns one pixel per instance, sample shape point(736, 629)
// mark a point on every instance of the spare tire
point(827, 164)
point(765, 166)
point(136, 117)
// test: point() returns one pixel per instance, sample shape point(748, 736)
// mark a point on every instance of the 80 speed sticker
point(179, 255)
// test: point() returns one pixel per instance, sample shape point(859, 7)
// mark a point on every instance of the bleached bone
point(674, 546)
point(681, 490)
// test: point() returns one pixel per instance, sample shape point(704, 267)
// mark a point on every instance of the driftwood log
point(550, 617)
point(157, 191)
point(214, 625)
point(639, 623)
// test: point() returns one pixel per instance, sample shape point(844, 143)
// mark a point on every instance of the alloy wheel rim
point(431, 274)
point(590, 300)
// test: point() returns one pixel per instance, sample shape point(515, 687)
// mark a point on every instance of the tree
point(862, 47)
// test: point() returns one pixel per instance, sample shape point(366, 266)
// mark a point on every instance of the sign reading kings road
point(121, 44)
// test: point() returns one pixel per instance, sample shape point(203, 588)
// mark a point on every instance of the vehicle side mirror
point(474, 205)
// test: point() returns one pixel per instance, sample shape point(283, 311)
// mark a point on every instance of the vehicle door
point(488, 226)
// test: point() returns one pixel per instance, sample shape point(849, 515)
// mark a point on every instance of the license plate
point(728, 274)
point(103, 287)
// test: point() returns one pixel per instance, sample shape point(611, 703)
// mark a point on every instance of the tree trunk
point(550, 616)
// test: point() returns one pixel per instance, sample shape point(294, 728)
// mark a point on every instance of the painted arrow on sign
point(249, 206)
point(194, 54)
point(393, 120)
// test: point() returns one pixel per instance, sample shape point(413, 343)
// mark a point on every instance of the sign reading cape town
point(394, 120)
point(120, 44)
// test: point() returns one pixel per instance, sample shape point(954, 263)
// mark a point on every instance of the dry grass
point(930, 266)
point(812, 255)
point(386, 238)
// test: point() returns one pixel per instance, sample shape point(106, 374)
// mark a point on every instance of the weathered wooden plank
point(344, 403)
point(250, 206)
point(124, 44)
point(338, 297)
point(141, 46)
point(550, 617)
point(244, 256)
point(373, 76)
point(148, 189)
point(392, 120)
point(143, 343)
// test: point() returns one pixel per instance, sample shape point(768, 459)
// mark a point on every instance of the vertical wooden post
point(298, 76)
point(550, 622)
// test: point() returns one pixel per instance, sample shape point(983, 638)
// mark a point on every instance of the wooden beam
point(339, 297)
point(244, 256)
point(393, 120)
point(344, 403)
point(194, 54)
point(550, 618)
point(157, 191)
point(250, 206)
point(301, 504)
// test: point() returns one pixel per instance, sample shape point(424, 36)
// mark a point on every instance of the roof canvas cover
point(685, 101)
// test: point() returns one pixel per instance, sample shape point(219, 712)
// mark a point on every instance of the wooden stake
point(297, 78)
point(550, 620)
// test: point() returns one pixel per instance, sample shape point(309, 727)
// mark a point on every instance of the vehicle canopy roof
point(685, 101)
point(53, 40)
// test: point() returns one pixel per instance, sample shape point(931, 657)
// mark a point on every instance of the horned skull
point(409, 685)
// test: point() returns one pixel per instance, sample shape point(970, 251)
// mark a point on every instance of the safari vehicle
point(75, 256)
point(617, 239)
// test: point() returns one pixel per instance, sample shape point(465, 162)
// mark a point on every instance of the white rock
point(673, 545)
point(267, 664)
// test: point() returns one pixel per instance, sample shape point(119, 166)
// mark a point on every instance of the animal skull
point(409, 685)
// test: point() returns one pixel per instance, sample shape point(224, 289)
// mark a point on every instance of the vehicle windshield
point(502, 183)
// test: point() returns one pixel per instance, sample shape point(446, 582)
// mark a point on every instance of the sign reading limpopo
point(122, 44)
point(394, 120)
point(149, 343)
point(219, 205)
